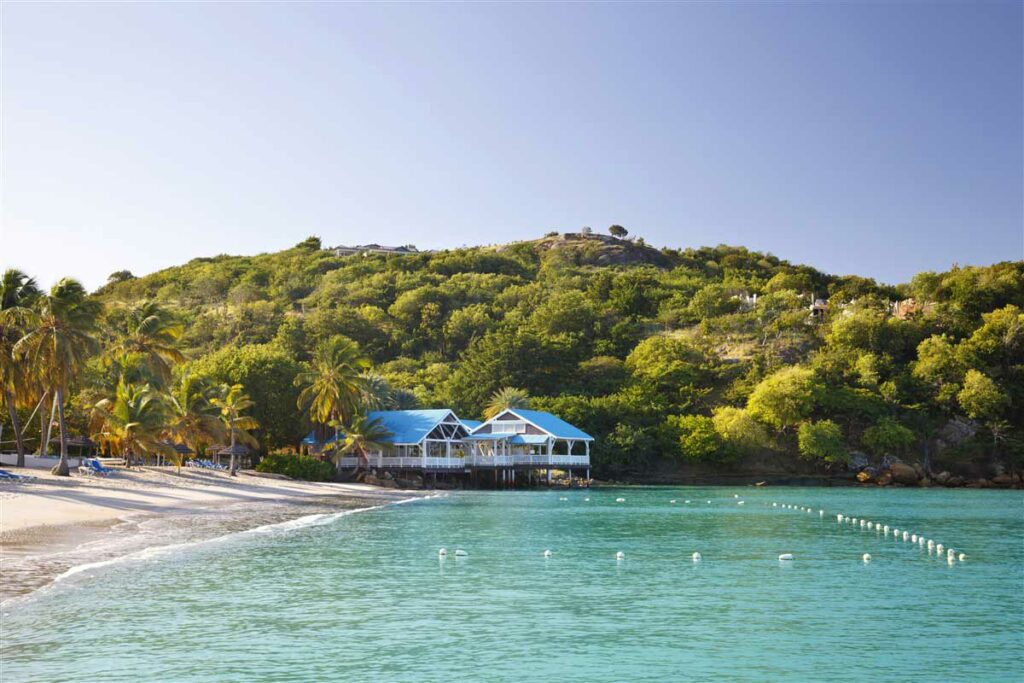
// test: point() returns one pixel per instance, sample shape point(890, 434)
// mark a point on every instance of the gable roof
point(555, 426)
point(471, 424)
point(410, 426)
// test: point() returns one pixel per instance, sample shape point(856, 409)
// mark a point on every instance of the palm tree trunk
point(16, 426)
point(46, 427)
point(231, 469)
point(62, 469)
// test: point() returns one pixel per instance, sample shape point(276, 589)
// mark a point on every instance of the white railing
point(381, 462)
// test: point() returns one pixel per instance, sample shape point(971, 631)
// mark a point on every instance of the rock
point(955, 432)
point(884, 479)
point(371, 479)
point(920, 470)
point(864, 477)
point(955, 481)
point(925, 483)
point(856, 461)
point(942, 478)
point(1003, 481)
point(388, 483)
point(889, 460)
point(903, 474)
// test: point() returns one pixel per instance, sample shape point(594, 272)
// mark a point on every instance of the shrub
point(297, 467)
point(697, 437)
point(821, 440)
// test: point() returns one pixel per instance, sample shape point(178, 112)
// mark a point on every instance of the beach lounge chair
point(94, 467)
point(11, 476)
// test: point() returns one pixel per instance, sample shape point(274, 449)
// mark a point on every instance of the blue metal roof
point(486, 437)
point(529, 439)
point(471, 424)
point(409, 426)
point(555, 426)
point(311, 439)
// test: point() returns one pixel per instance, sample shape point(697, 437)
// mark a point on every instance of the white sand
point(49, 500)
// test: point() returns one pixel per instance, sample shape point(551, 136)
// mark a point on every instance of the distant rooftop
point(375, 249)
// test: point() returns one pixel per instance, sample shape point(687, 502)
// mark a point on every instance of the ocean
point(362, 595)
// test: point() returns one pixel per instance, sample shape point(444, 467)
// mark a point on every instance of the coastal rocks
point(942, 478)
point(904, 474)
point(865, 477)
point(1003, 481)
point(857, 461)
point(884, 479)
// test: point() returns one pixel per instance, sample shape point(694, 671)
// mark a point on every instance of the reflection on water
point(365, 597)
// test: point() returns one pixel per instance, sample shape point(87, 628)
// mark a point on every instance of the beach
point(51, 524)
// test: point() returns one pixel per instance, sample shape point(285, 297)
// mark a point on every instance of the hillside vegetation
point(668, 357)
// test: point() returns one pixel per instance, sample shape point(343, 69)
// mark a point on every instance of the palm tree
point(58, 345)
point(150, 337)
point(333, 385)
point(505, 399)
point(375, 392)
point(130, 423)
point(232, 402)
point(363, 434)
point(192, 420)
point(17, 294)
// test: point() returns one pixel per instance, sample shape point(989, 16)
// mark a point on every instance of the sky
point(878, 139)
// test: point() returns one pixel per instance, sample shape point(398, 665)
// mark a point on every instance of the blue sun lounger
point(11, 476)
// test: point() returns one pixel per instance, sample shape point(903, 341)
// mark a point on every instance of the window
point(508, 427)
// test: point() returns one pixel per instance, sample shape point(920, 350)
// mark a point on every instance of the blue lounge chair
point(11, 476)
point(93, 466)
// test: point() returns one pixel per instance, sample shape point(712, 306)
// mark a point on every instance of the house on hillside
point(367, 249)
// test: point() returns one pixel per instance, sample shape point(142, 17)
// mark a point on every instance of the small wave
point(150, 552)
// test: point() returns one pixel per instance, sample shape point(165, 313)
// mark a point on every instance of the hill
point(710, 360)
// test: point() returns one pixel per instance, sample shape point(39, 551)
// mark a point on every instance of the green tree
point(506, 398)
point(232, 402)
point(18, 292)
point(362, 435)
point(618, 231)
point(887, 437)
point(696, 436)
point(58, 345)
point(784, 398)
point(131, 422)
point(822, 440)
point(192, 420)
point(150, 333)
point(740, 432)
point(332, 386)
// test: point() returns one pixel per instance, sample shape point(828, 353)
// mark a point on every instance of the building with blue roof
point(437, 440)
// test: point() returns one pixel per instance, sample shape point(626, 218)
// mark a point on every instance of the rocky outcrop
point(904, 474)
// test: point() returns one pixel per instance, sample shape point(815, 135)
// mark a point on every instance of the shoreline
point(51, 524)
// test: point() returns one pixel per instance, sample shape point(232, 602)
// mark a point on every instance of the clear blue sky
point(878, 139)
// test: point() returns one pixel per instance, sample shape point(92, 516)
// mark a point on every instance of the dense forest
point(716, 358)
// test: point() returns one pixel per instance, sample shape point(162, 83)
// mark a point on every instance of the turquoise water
point(364, 597)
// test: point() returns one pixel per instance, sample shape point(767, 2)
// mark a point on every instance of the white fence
point(435, 463)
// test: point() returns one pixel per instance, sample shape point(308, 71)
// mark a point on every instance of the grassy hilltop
point(677, 361)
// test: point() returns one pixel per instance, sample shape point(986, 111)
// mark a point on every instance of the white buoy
point(951, 554)
point(696, 557)
point(620, 555)
point(740, 502)
point(906, 535)
point(863, 523)
point(673, 501)
point(885, 529)
point(563, 498)
point(620, 500)
point(586, 500)
point(853, 520)
point(895, 533)
point(461, 553)
point(931, 545)
point(785, 557)
point(939, 548)
point(821, 513)
point(870, 525)
point(547, 553)
point(866, 557)
point(809, 510)
point(839, 518)
point(913, 538)
point(735, 495)
point(709, 502)
point(962, 557)
point(920, 541)
point(442, 553)
point(775, 505)
point(687, 502)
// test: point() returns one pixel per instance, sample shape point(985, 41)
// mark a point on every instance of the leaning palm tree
point(192, 421)
point(363, 434)
point(149, 337)
point(232, 402)
point(58, 344)
point(130, 423)
point(505, 399)
point(17, 294)
point(332, 386)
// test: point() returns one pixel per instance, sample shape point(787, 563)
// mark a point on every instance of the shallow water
point(364, 597)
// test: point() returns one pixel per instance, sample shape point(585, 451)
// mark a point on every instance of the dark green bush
point(297, 467)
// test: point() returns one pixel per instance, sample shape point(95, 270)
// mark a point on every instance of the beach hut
point(533, 439)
